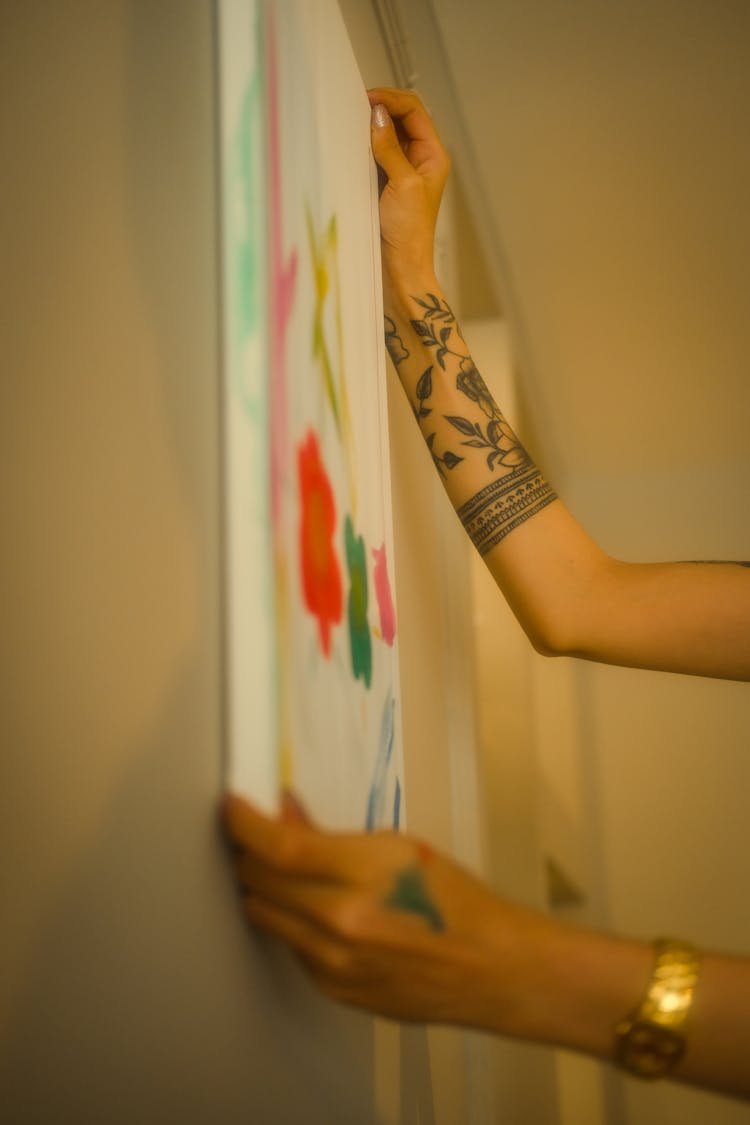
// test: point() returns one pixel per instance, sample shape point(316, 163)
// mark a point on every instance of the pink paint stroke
point(283, 282)
point(382, 585)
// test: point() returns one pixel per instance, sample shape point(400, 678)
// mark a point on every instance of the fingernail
point(379, 116)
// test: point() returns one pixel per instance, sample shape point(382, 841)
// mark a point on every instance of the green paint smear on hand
point(360, 643)
point(410, 893)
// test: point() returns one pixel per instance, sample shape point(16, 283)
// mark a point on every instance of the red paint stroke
point(283, 282)
point(383, 594)
point(321, 572)
point(424, 852)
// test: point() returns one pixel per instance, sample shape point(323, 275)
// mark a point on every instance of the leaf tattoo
point(435, 309)
point(424, 390)
point(462, 424)
point(449, 460)
point(503, 444)
point(436, 312)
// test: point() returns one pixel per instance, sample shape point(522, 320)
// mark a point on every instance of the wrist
point(593, 979)
point(402, 283)
point(573, 986)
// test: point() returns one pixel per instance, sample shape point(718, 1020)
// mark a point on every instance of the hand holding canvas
point(384, 923)
point(415, 166)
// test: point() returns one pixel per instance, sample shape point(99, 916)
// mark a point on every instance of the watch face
point(648, 1050)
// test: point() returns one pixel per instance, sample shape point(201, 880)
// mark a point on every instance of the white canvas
point(337, 716)
point(250, 620)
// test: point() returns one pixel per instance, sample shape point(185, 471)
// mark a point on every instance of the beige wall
point(604, 158)
point(613, 151)
point(611, 145)
point(130, 990)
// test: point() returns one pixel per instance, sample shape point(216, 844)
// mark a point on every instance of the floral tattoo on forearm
point(519, 490)
point(394, 343)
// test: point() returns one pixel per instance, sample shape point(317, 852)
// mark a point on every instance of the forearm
point(384, 923)
point(487, 473)
point(548, 564)
point(569, 595)
point(578, 985)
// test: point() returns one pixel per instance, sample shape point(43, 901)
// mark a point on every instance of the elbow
point(548, 637)
point(571, 617)
point(544, 648)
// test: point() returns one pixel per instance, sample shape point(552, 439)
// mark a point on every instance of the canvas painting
point(333, 730)
point(249, 600)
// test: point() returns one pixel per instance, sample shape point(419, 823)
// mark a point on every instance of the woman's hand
point(384, 923)
point(415, 165)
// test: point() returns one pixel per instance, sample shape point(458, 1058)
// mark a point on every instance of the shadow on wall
point(145, 998)
point(137, 994)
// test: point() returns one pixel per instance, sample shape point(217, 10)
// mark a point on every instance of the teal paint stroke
point(376, 800)
point(410, 893)
point(360, 643)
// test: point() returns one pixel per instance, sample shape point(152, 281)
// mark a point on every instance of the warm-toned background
point(599, 222)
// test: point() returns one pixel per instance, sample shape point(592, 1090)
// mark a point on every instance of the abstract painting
point(305, 376)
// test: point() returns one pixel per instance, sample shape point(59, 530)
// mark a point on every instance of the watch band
point(651, 1040)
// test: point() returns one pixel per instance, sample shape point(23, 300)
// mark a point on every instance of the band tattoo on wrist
point(504, 504)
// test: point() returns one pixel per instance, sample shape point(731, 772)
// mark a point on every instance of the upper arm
point(692, 618)
point(573, 599)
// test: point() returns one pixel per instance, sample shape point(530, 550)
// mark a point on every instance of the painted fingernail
point(379, 116)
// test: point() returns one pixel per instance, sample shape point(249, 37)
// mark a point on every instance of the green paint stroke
point(410, 893)
point(359, 630)
point(244, 212)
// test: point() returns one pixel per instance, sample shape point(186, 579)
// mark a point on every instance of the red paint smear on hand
point(321, 574)
point(383, 594)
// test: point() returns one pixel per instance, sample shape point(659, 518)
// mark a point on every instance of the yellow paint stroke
point(284, 702)
point(325, 265)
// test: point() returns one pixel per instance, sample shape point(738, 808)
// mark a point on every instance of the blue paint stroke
point(397, 806)
point(376, 797)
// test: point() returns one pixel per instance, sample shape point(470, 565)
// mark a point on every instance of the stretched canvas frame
point(312, 638)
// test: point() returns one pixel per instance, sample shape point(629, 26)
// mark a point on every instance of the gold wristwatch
point(651, 1040)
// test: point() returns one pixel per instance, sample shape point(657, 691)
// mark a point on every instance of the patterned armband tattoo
point(504, 504)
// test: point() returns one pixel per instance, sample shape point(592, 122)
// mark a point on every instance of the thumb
point(386, 148)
